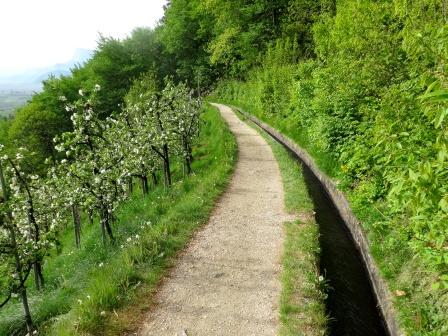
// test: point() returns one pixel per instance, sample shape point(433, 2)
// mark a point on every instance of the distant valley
point(16, 89)
point(10, 100)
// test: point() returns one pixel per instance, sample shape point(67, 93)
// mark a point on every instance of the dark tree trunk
point(166, 166)
point(105, 226)
point(77, 225)
point(26, 310)
point(103, 232)
point(145, 187)
point(90, 216)
point(37, 265)
point(188, 157)
point(103, 214)
point(109, 230)
point(38, 276)
point(188, 165)
point(131, 186)
point(154, 179)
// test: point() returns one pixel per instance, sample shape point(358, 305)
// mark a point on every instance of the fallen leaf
point(400, 293)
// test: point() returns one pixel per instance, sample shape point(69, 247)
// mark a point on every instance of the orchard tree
point(67, 197)
point(131, 129)
point(33, 212)
point(166, 123)
point(156, 110)
point(15, 269)
point(28, 222)
point(93, 162)
point(184, 120)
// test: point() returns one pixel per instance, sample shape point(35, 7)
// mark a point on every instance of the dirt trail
point(227, 281)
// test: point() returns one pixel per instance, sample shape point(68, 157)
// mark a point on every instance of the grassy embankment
point(302, 307)
point(99, 288)
point(418, 308)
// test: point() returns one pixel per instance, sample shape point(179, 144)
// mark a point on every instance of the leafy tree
point(297, 21)
point(185, 122)
point(113, 69)
point(185, 31)
point(28, 223)
point(93, 161)
point(132, 130)
point(242, 31)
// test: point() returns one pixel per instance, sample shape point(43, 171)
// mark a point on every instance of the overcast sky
point(36, 33)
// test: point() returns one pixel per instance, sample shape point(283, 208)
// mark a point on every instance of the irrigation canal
point(351, 302)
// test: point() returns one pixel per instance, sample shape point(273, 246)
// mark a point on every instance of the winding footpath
point(227, 282)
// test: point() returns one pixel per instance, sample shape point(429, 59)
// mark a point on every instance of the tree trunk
point(37, 265)
point(188, 166)
point(18, 265)
point(38, 276)
point(145, 187)
point(90, 216)
point(77, 225)
point(154, 179)
point(26, 310)
point(109, 230)
point(166, 166)
point(188, 157)
point(131, 186)
point(105, 226)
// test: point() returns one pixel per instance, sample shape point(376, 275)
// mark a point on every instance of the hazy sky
point(35, 33)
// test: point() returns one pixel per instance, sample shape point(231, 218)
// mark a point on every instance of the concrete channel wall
point(381, 290)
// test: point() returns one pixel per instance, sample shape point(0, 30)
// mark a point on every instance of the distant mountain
point(31, 80)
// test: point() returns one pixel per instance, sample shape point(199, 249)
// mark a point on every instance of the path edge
point(359, 236)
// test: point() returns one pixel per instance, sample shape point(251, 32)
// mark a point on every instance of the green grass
point(302, 307)
point(86, 287)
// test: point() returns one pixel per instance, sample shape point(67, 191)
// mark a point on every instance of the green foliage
point(184, 34)
point(208, 39)
point(241, 30)
point(297, 21)
point(4, 127)
point(366, 110)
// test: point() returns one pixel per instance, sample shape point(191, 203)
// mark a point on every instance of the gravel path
point(227, 281)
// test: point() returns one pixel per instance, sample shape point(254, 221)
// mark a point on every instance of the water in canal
point(351, 303)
